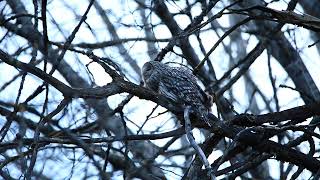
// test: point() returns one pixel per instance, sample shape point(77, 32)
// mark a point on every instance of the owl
point(177, 84)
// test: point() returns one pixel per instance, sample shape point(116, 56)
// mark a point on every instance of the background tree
point(72, 104)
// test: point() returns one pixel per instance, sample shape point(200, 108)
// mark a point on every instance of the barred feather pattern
point(179, 85)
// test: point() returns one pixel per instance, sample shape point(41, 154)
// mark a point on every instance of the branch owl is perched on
point(179, 85)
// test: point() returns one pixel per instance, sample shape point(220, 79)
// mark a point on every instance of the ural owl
point(179, 85)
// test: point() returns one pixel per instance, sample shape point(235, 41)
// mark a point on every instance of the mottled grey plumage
point(178, 84)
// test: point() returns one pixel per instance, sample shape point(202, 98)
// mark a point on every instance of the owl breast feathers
point(178, 84)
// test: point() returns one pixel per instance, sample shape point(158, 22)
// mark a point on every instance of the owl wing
point(205, 98)
point(166, 89)
point(194, 89)
point(180, 85)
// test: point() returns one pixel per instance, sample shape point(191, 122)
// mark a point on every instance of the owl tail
point(205, 119)
point(203, 113)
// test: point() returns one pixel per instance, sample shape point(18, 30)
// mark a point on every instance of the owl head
point(151, 67)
